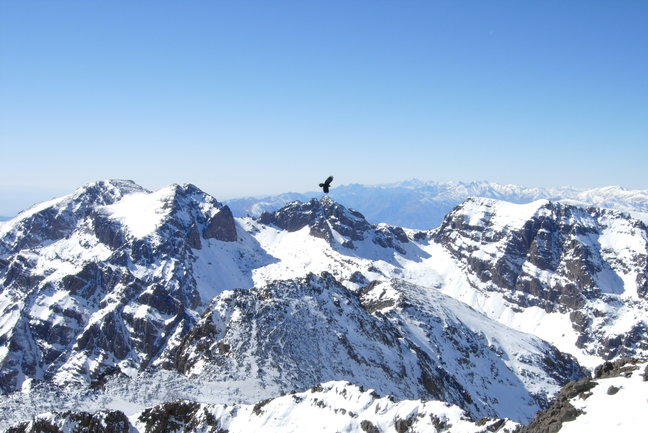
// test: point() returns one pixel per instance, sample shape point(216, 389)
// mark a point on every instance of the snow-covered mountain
point(423, 205)
point(114, 281)
point(104, 278)
point(576, 277)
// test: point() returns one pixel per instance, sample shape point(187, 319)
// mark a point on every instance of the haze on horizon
point(251, 98)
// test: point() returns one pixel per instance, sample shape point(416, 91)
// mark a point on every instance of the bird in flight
point(327, 183)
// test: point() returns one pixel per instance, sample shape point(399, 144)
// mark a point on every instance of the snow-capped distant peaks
point(114, 278)
point(423, 204)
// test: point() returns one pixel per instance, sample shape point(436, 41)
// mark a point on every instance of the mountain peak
point(296, 215)
point(57, 218)
point(329, 220)
point(179, 208)
point(327, 201)
point(123, 186)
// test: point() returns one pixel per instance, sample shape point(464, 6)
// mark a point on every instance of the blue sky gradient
point(262, 97)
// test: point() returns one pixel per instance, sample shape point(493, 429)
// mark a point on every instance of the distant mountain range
point(162, 311)
point(423, 205)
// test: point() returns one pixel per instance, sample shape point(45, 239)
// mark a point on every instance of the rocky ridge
point(397, 338)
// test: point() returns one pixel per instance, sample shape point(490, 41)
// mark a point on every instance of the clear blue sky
point(262, 97)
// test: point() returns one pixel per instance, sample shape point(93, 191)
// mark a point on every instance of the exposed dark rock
point(358, 278)
point(546, 242)
point(622, 367)
point(496, 425)
point(19, 276)
point(373, 305)
point(109, 232)
point(561, 410)
point(193, 239)
point(59, 220)
point(83, 422)
point(492, 425)
point(440, 424)
point(550, 420)
point(559, 240)
point(198, 339)
point(141, 313)
point(287, 332)
point(221, 226)
point(369, 427)
point(404, 425)
point(317, 388)
point(258, 408)
point(613, 390)
point(169, 417)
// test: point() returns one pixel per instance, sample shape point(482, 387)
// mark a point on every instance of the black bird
point(327, 183)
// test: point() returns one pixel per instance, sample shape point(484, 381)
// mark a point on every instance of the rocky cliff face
point(58, 218)
point(561, 258)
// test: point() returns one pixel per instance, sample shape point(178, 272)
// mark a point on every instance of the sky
point(247, 98)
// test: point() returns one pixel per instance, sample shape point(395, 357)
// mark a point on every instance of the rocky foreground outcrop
point(575, 409)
